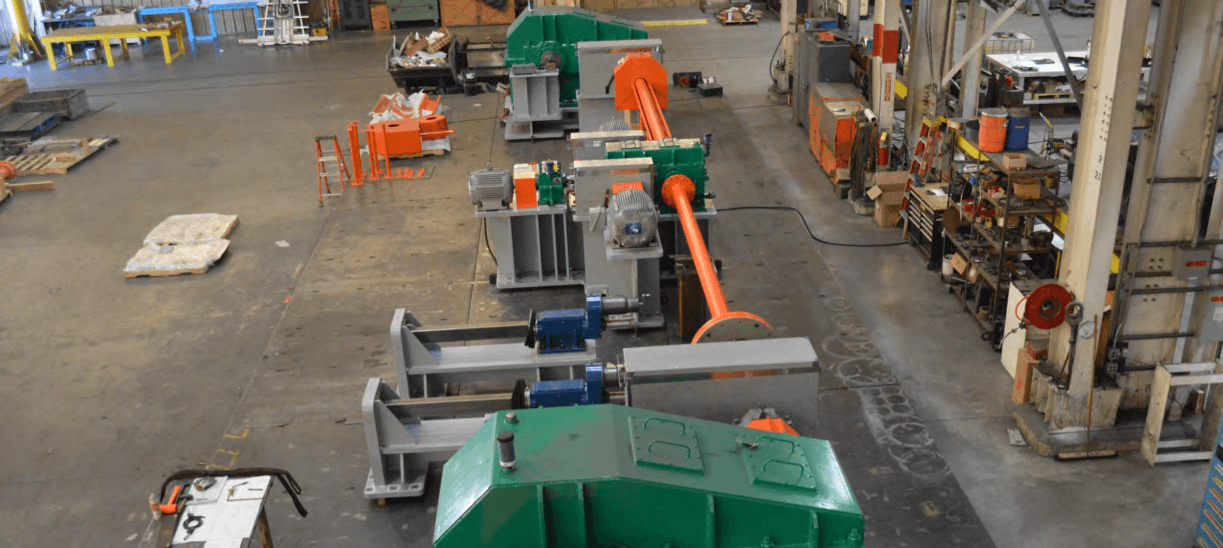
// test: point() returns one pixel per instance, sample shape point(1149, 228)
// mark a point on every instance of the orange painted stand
point(396, 139)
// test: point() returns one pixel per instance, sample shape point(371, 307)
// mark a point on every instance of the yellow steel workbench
point(103, 35)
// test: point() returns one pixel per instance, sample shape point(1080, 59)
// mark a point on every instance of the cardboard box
point(973, 273)
point(887, 215)
point(888, 187)
point(381, 16)
point(959, 263)
point(1014, 161)
point(1027, 189)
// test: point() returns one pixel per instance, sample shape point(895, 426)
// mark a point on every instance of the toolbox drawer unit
point(413, 10)
point(926, 226)
point(1210, 520)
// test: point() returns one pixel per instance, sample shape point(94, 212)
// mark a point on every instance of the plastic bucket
point(992, 136)
point(948, 270)
point(1017, 129)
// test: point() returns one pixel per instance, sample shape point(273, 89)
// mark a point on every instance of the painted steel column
point(789, 14)
point(884, 51)
point(1186, 81)
point(1099, 176)
point(974, 30)
point(925, 65)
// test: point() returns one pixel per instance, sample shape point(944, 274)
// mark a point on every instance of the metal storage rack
point(1002, 243)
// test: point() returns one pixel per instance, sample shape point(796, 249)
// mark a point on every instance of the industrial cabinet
point(822, 57)
point(413, 10)
point(354, 15)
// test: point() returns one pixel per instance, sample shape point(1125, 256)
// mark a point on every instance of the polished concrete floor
point(107, 385)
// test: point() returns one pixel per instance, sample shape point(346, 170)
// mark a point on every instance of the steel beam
point(1108, 115)
point(970, 88)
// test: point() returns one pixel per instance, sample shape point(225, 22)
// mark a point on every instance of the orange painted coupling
point(678, 192)
point(7, 170)
point(434, 126)
point(652, 121)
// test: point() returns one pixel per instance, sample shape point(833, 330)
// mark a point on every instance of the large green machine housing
point(557, 30)
point(671, 157)
point(617, 477)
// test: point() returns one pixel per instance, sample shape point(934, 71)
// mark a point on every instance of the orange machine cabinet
point(832, 109)
point(525, 195)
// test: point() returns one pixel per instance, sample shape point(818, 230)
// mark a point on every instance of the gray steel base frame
point(401, 442)
point(403, 439)
point(548, 129)
point(537, 247)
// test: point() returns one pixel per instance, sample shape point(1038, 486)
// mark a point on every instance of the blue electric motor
point(588, 391)
point(567, 330)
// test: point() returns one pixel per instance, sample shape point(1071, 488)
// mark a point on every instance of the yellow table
point(119, 32)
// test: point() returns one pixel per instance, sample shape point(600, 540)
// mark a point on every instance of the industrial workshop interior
point(611, 273)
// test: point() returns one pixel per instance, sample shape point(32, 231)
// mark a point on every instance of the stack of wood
point(12, 89)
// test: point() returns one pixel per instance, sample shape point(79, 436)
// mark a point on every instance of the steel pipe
point(678, 192)
point(652, 121)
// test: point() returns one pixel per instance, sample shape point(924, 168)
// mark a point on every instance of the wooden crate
point(381, 16)
point(474, 13)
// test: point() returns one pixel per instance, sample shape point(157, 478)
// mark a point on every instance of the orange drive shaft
point(652, 121)
point(678, 192)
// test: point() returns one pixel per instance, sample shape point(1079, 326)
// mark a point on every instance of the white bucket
point(947, 268)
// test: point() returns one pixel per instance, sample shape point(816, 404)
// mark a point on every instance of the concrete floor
point(107, 385)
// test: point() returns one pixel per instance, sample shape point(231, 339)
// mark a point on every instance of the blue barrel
point(1017, 129)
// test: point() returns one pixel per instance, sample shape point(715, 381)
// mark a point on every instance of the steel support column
point(884, 52)
point(925, 64)
point(970, 88)
point(1099, 176)
point(1186, 80)
point(789, 14)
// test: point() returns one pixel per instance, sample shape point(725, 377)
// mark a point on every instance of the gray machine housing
point(597, 62)
point(815, 62)
point(534, 101)
point(420, 421)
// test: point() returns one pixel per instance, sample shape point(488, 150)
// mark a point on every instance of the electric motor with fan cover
point(491, 189)
point(632, 218)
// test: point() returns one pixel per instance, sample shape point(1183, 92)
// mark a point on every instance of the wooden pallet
point(435, 152)
point(4, 194)
point(728, 17)
point(57, 156)
point(726, 23)
point(1053, 95)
